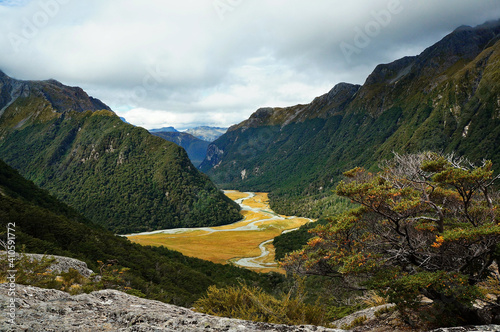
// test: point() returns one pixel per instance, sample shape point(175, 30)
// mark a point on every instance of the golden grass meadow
point(230, 243)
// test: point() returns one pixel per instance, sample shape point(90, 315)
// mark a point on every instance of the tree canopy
point(427, 224)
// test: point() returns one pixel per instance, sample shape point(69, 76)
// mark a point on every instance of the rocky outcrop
point(60, 264)
point(39, 309)
point(368, 314)
point(110, 310)
point(485, 328)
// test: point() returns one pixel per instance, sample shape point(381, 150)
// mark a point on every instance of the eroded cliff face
point(110, 310)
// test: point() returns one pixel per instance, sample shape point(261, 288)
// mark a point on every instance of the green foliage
point(456, 296)
point(292, 241)
point(38, 273)
point(117, 175)
point(252, 303)
point(383, 311)
point(427, 224)
point(338, 312)
point(30, 271)
point(44, 225)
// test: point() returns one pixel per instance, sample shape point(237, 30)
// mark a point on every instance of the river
point(235, 243)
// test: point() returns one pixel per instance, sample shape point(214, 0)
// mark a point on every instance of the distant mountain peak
point(462, 28)
point(340, 89)
point(207, 133)
point(164, 130)
point(54, 82)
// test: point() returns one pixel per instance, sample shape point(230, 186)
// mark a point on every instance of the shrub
point(252, 303)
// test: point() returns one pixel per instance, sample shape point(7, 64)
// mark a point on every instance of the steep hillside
point(446, 99)
point(195, 147)
point(44, 225)
point(116, 174)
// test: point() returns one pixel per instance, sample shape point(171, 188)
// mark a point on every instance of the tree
point(427, 224)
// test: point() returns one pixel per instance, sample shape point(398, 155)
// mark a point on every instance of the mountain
point(195, 147)
point(116, 174)
point(206, 133)
point(164, 130)
point(445, 99)
point(44, 225)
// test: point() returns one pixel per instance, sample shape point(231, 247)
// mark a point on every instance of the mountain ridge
point(443, 99)
point(118, 175)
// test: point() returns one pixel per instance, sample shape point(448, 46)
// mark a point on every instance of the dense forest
point(45, 225)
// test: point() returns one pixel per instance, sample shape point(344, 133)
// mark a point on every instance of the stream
point(248, 262)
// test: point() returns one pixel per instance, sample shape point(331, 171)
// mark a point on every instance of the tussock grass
point(226, 243)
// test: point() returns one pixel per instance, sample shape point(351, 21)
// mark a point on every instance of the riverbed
point(246, 243)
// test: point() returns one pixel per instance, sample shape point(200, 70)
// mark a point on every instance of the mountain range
point(194, 140)
point(446, 99)
point(207, 133)
point(117, 175)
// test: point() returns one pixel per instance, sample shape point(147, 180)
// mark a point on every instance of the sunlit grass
point(234, 195)
point(226, 244)
point(259, 201)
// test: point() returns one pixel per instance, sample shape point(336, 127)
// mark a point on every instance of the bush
point(252, 303)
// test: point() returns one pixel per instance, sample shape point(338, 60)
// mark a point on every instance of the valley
point(246, 243)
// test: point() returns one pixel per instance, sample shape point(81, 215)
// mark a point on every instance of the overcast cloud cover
point(214, 62)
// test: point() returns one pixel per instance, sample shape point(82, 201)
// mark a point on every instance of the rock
point(484, 328)
point(110, 310)
point(61, 264)
point(368, 313)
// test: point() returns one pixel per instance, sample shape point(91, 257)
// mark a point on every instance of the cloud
point(184, 63)
point(15, 3)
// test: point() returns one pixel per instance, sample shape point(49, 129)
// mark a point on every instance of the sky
point(188, 63)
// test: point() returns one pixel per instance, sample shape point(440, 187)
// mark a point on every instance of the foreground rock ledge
point(110, 310)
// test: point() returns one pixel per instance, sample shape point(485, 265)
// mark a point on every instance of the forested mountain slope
point(445, 99)
point(42, 224)
point(116, 174)
point(195, 147)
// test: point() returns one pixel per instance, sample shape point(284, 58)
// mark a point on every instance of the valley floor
point(247, 243)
